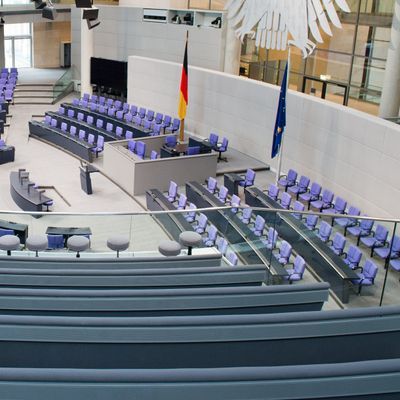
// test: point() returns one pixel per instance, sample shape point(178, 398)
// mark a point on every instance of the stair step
point(39, 96)
point(34, 84)
point(17, 103)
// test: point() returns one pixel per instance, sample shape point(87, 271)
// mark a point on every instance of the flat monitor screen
point(109, 73)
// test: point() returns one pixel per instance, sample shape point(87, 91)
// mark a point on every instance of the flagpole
point(279, 169)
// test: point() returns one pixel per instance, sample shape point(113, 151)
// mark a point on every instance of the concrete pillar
point(87, 51)
point(232, 51)
point(390, 101)
point(2, 45)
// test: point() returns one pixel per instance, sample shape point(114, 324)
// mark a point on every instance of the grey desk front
point(56, 136)
point(20, 230)
point(31, 200)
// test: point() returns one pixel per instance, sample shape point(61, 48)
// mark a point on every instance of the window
point(18, 45)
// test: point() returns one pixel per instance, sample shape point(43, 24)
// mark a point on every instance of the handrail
point(65, 83)
point(264, 209)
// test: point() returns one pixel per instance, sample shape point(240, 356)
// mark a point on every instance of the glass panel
point(23, 54)
point(17, 29)
point(8, 43)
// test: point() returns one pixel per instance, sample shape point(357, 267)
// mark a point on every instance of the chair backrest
point(137, 120)
point(247, 212)
point(141, 149)
point(109, 127)
point(61, 110)
point(182, 201)
point(110, 102)
point(156, 129)
point(133, 110)
point(259, 224)
point(99, 123)
point(285, 250)
point(212, 233)
point(222, 245)
point(94, 98)
point(173, 189)
point(176, 123)
point(203, 220)
point(304, 182)
point(55, 241)
point(191, 151)
point(211, 184)
point(167, 120)
point(159, 118)
point(128, 117)
point(4, 232)
point(142, 112)
point(340, 205)
point(381, 233)
point(250, 177)
point(89, 120)
point(299, 265)
point(298, 206)
point(131, 145)
point(80, 116)
point(147, 124)
point(396, 244)
point(232, 258)
point(235, 202)
point(353, 211)
point(366, 225)
point(90, 138)
point(213, 139)
point(100, 142)
point(102, 100)
point(224, 144)
point(193, 209)
point(354, 254)
point(71, 113)
point(370, 270)
point(111, 112)
point(311, 220)
point(286, 199)
point(291, 176)
point(272, 236)
point(54, 123)
point(117, 104)
point(86, 96)
point(119, 131)
point(72, 130)
point(82, 134)
point(128, 135)
point(119, 114)
point(64, 126)
point(327, 196)
point(170, 141)
point(325, 230)
point(47, 120)
point(153, 155)
point(339, 241)
point(93, 106)
point(223, 193)
point(150, 115)
point(102, 109)
point(273, 191)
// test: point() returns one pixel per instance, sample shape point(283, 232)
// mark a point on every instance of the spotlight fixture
point(83, 3)
point(188, 18)
point(176, 19)
point(2, 22)
point(217, 22)
point(49, 12)
point(39, 4)
point(91, 15)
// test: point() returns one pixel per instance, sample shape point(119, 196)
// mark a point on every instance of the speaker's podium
point(86, 181)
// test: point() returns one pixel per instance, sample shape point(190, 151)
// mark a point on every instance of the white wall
point(123, 33)
point(352, 153)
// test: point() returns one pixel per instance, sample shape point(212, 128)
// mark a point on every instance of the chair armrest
point(330, 241)
point(360, 268)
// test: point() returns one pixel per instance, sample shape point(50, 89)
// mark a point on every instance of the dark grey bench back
point(200, 342)
point(207, 260)
point(368, 380)
point(135, 278)
point(165, 302)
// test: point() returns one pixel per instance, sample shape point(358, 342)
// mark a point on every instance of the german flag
point(183, 100)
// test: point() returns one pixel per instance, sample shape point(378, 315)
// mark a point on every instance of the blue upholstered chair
point(170, 141)
point(211, 237)
point(338, 244)
point(191, 151)
point(232, 258)
point(222, 245)
point(367, 275)
point(258, 226)
point(245, 215)
point(285, 200)
point(301, 187)
point(298, 206)
point(153, 155)
point(284, 253)
point(311, 222)
point(223, 194)
point(353, 257)
point(131, 145)
point(172, 192)
point(191, 215)
point(99, 145)
point(182, 201)
point(55, 242)
point(297, 271)
point(288, 180)
point(324, 231)
point(377, 240)
point(273, 191)
point(271, 239)
point(324, 202)
point(201, 224)
point(311, 195)
point(364, 229)
point(141, 149)
point(222, 148)
point(390, 250)
point(249, 179)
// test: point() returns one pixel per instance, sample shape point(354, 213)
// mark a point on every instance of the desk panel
point(316, 253)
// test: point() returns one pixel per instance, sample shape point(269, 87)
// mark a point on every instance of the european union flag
point(280, 123)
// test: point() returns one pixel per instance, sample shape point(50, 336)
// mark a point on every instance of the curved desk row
point(252, 251)
point(67, 142)
point(257, 340)
point(366, 380)
point(108, 136)
point(164, 302)
point(138, 131)
point(317, 254)
point(27, 198)
point(20, 230)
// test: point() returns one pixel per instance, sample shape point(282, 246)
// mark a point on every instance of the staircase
point(34, 94)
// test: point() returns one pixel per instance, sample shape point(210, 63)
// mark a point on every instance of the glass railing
point(327, 243)
point(63, 86)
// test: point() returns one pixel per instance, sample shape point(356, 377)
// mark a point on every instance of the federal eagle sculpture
point(272, 21)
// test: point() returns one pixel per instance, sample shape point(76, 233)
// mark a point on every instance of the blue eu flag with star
point(280, 123)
